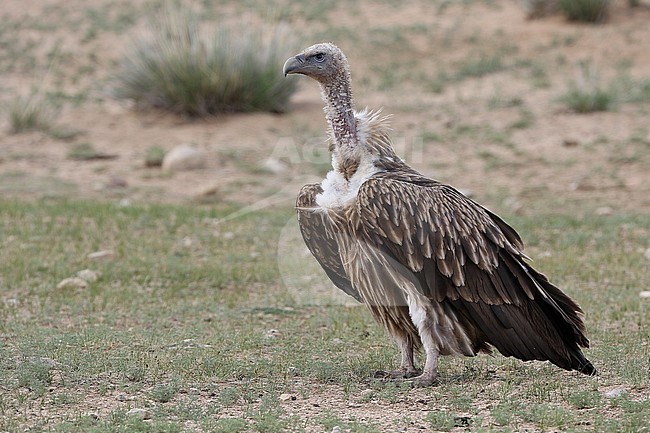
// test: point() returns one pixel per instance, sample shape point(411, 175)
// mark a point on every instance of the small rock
point(644, 294)
point(207, 191)
point(615, 392)
point(183, 157)
point(116, 182)
point(93, 415)
point(604, 211)
point(121, 397)
point(287, 397)
point(98, 255)
point(568, 142)
point(89, 275)
point(462, 421)
point(139, 413)
point(366, 393)
point(72, 283)
point(336, 429)
point(273, 333)
point(275, 166)
point(647, 254)
point(12, 302)
point(47, 362)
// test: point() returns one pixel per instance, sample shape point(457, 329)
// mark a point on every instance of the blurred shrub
point(179, 69)
point(591, 11)
point(31, 113)
point(586, 93)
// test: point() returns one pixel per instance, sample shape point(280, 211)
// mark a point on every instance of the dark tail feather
point(582, 364)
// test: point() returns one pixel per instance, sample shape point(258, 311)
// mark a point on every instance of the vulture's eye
point(320, 57)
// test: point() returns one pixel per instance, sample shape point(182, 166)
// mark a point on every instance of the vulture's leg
point(424, 319)
point(429, 375)
point(406, 368)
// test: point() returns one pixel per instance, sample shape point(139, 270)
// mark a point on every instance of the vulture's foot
point(424, 380)
point(402, 373)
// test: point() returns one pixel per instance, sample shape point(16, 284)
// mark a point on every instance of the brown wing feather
point(467, 257)
point(316, 231)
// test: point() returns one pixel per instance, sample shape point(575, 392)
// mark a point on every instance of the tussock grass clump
point(180, 69)
point(590, 11)
point(30, 113)
point(586, 93)
point(591, 100)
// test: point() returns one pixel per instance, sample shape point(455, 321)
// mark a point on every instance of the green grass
point(586, 94)
point(179, 69)
point(181, 328)
point(588, 100)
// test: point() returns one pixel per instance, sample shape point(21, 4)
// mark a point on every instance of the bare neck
point(339, 111)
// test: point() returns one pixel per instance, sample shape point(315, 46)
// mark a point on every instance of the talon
point(423, 381)
point(395, 374)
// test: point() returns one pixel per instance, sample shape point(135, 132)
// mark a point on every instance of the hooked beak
point(294, 65)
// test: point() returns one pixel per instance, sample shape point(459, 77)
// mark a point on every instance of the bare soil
point(558, 154)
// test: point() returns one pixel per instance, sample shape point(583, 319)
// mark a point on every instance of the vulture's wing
point(465, 256)
point(317, 232)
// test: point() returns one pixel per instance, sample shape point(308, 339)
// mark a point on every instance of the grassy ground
point(197, 324)
point(193, 321)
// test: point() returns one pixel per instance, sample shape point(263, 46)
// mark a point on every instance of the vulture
point(441, 273)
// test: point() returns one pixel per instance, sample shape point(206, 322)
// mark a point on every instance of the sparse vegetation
point(182, 329)
point(30, 113)
point(154, 156)
point(591, 11)
point(588, 100)
point(179, 69)
point(586, 93)
point(225, 326)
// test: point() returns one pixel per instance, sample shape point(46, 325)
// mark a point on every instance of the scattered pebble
point(569, 142)
point(207, 191)
point(615, 392)
point(336, 429)
point(287, 397)
point(72, 283)
point(644, 294)
point(47, 362)
point(93, 415)
point(98, 255)
point(182, 158)
point(139, 413)
point(89, 275)
point(273, 333)
point(116, 182)
point(604, 211)
point(366, 393)
point(275, 166)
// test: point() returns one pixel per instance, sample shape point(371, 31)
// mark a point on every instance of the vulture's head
point(322, 62)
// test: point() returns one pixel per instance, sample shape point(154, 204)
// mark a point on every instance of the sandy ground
point(601, 157)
